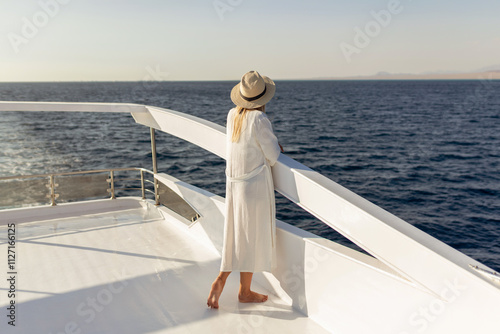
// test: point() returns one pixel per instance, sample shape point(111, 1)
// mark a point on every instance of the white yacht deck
point(126, 266)
point(120, 267)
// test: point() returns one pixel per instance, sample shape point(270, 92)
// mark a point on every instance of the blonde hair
point(238, 120)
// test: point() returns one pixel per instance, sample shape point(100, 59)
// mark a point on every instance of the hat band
point(250, 99)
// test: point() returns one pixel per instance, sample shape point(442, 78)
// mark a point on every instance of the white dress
point(250, 230)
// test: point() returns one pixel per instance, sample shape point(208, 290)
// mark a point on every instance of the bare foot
point(213, 297)
point(251, 297)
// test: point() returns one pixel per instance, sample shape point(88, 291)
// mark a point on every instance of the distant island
point(486, 75)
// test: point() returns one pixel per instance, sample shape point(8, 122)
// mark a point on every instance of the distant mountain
point(490, 72)
point(489, 68)
point(440, 72)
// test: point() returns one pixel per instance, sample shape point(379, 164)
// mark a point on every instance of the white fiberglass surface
point(126, 271)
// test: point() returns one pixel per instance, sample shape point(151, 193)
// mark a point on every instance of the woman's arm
point(266, 139)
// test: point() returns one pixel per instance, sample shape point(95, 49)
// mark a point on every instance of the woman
point(252, 147)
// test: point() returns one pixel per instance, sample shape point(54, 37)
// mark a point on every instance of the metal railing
point(53, 188)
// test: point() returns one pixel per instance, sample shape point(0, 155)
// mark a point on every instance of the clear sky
point(94, 40)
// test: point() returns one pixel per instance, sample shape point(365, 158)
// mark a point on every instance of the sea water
point(426, 151)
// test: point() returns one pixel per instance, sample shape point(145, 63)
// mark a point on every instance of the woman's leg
point(217, 287)
point(246, 295)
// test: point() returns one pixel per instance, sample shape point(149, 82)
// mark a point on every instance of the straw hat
point(253, 91)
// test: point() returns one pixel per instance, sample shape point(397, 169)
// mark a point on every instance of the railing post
point(52, 191)
point(155, 165)
point(143, 189)
point(112, 179)
point(153, 150)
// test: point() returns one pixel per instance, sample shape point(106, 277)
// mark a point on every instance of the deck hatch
point(170, 199)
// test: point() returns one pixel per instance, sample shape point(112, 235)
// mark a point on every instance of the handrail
point(111, 180)
point(2, 178)
point(162, 193)
point(378, 232)
point(72, 107)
